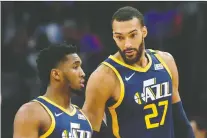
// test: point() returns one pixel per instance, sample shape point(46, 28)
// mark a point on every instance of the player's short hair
point(127, 13)
point(50, 58)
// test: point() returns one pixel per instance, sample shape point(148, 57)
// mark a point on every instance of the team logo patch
point(82, 117)
point(158, 66)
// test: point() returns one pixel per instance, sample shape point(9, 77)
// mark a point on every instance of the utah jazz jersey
point(65, 124)
point(144, 107)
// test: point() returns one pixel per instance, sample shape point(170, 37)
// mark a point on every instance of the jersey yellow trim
point(121, 97)
point(61, 108)
point(52, 126)
point(86, 119)
point(139, 69)
point(151, 50)
point(164, 64)
point(115, 125)
point(75, 106)
point(83, 114)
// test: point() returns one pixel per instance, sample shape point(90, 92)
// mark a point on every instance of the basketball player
point(52, 115)
point(139, 86)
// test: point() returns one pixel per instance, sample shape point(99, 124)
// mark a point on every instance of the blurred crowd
point(28, 27)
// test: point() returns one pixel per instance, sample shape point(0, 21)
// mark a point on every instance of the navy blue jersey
point(65, 124)
point(144, 108)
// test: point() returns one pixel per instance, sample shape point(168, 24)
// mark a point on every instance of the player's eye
point(133, 35)
point(75, 67)
point(119, 37)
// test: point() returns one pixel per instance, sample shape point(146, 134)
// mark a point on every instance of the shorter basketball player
point(52, 115)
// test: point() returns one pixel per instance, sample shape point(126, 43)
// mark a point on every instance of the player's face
point(72, 72)
point(129, 37)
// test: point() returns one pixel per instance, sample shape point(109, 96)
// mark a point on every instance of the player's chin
point(130, 58)
point(78, 90)
point(78, 87)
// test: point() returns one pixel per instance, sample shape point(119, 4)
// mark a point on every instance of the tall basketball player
point(139, 86)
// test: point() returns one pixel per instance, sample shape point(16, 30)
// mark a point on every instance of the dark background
point(26, 27)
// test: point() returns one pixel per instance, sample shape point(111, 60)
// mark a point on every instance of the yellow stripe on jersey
point(151, 50)
point(52, 126)
point(162, 61)
point(84, 115)
point(115, 124)
point(121, 85)
point(140, 69)
point(164, 64)
point(61, 108)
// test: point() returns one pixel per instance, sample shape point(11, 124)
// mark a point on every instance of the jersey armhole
point(115, 123)
point(52, 126)
point(86, 119)
point(79, 109)
point(122, 92)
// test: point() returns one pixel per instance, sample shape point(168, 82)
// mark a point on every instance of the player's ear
point(144, 31)
point(55, 73)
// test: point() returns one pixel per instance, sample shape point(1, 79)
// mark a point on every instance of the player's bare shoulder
point(31, 113)
point(166, 56)
point(168, 59)
point(28, 111)
point(104, 82)
point(105, 75)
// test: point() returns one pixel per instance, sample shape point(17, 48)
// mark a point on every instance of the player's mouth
point(129, 52)
point(82, 83)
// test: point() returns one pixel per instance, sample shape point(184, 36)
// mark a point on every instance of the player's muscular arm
point(99, 89)
point(26, 122)
point(182, 127)
point(169, 60)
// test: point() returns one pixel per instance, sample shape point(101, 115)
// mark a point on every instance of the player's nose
point(128, 43)
point(82, 73)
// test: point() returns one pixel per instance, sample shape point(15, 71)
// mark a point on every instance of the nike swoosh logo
point(58, 114)
point(128, 78)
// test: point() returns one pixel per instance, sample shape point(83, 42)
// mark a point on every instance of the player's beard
point(138, 55)
point(78, 92)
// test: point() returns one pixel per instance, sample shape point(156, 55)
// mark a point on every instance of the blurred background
point(27, 27)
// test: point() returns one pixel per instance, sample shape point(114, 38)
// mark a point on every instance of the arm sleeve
point(182, 127)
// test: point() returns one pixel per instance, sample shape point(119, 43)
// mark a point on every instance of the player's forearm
point(182, 127)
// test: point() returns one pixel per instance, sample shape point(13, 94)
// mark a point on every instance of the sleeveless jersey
point(65, 124)
point(144, 108)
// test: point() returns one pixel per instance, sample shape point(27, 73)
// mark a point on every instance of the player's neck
point(59, 96)
point(143, 61)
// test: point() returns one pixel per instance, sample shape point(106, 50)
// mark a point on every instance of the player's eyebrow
point(128, 32)
point(77, 62)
